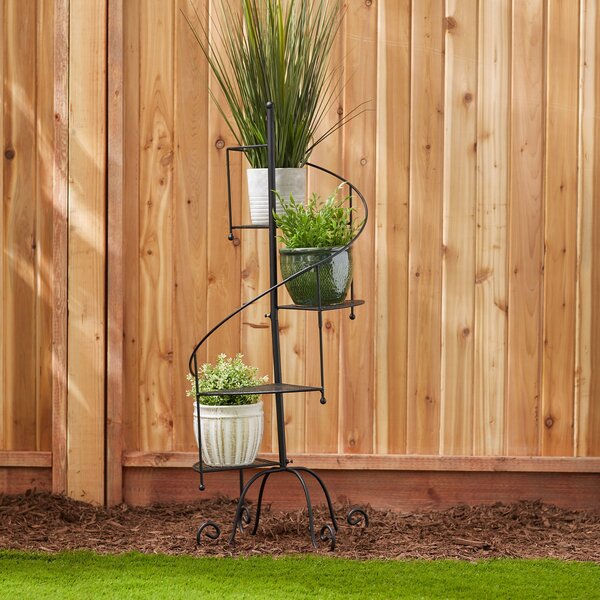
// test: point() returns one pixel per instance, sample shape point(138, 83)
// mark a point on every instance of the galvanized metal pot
point(335, 275)
point(287, 181)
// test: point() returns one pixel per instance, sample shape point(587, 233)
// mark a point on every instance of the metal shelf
point(340, 306)
point(257, 464)
point(270, 388)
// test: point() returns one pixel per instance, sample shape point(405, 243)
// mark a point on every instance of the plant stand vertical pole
point(274, 314)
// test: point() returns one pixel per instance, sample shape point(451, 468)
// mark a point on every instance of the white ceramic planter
point(287, 181)
point(231, 435)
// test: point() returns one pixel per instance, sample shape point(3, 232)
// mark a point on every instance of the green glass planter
point(335, 275)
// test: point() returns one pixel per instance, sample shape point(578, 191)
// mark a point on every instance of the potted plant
point(274, 50)
point(311, 233)
point(231, 426)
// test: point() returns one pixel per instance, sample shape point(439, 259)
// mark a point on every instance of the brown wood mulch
point(45, 522)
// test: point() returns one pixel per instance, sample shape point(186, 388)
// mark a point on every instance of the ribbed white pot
point(287, 181)
point(231, 435)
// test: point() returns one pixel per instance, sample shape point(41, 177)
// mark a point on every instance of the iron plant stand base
point(243, 517)
point(265, 477)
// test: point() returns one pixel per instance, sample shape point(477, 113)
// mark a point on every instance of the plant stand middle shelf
point(268, 388)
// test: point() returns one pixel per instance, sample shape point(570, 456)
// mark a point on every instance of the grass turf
point(87, 575)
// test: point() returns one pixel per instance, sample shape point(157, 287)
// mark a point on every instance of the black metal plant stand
point(266, 468)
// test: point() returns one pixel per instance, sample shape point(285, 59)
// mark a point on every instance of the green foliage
point(277, 51)
point(226, 374)
point(75, 575)
point(316, 224)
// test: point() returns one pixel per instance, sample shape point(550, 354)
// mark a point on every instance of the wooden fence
point(26, 240)
point(480, 267)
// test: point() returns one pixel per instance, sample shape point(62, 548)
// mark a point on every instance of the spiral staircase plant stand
point(243, 518)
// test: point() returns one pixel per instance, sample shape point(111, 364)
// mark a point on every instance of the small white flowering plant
point(226, 374)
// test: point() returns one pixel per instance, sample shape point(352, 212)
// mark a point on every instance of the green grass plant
point(130, 576)
point(316, 224)
point(274, 50)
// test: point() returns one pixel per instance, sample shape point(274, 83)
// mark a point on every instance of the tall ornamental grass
point(274, 50)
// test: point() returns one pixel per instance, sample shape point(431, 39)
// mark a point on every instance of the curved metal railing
point(193, 362)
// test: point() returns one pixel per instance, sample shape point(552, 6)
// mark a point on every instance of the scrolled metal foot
point(213, 535)
point(246, 515)
point(357, 516)
point(245, 518)
point(327, 535)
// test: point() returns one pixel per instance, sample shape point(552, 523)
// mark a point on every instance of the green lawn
point(86, 575)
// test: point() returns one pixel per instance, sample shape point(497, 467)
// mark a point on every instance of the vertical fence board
point(115, 338)
point(131, 219)
point(43, 244)
point(525, 229)
point(189, 198)
point(393, 165)
point(322, 421)
point(224, 257)
point(593, 448)
point(560, 220)
point(60, 168)
point(292, 327)
point(491, 302)
point(588, 273)
point(585, 215)
point(293, 359)
point(19, 193)
point(460, 196)
point(156, 223)
point(3, 425)
point(356, 338)
point(255, 326)
point(87, 200)
point(26, 54)
point(425, 221)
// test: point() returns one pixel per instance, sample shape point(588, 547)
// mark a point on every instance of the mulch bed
point(41, 521)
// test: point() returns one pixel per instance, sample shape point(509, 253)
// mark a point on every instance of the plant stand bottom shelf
point(356, 516)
